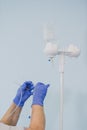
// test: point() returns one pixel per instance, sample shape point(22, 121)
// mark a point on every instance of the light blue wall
point(22, 57)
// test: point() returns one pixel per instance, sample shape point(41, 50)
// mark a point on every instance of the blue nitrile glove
point(23, 93)
point(39, 93)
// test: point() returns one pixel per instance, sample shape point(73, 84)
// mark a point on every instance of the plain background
point(22, 57)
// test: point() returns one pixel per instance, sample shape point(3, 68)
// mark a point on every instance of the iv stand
point(72, 51)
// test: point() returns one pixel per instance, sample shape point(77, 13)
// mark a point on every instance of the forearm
point(37, 118)
point(10, 117)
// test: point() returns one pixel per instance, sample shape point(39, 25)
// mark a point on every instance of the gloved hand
point(23, 93)
point(39, 93)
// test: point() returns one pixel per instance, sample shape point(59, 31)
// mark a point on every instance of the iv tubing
point(17, 105)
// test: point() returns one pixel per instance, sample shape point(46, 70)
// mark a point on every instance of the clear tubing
point(17, 105)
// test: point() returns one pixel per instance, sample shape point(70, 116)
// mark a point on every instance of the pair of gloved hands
point(27, 89)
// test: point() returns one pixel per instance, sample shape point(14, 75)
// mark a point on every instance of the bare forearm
point(11, 117)
point(37, 118)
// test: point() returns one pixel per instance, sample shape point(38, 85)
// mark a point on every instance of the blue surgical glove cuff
point(18, 101)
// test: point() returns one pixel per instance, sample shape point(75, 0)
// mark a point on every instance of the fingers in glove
point(48, 85)
point(27, 85)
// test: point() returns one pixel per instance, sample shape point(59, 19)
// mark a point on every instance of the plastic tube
point(17, 105)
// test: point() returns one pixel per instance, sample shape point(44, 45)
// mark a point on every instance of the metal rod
point(61, 91)
point(61, 101)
